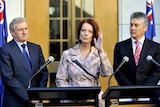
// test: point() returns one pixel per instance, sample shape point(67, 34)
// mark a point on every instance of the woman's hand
point(99, 42)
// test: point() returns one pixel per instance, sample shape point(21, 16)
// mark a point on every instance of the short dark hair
point(95, 28)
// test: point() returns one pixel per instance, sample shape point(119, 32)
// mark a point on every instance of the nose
point(24, 30)
point(86, 33)
point(132, 27)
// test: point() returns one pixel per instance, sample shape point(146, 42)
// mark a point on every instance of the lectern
point(55, 95)
point(117, 92)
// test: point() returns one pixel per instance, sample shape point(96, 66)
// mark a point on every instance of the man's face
point(137, 29)
point(20, 32)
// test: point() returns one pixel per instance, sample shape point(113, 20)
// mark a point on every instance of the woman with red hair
point(90, 55)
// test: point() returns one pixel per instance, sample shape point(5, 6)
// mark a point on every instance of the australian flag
point(3, 23)
point(3, 37)
point(150, 33)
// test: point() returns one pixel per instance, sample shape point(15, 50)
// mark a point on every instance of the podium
point(118, 92)
point(55, 95)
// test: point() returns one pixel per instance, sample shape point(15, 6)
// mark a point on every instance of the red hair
point(94, 25)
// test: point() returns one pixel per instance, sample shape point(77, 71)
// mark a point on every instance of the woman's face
point(86, 33)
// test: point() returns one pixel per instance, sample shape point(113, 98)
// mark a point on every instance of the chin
point(134, 36)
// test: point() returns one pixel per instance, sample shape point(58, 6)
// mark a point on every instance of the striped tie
point(137, 52)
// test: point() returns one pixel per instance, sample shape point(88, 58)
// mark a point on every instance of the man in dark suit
point(143, 72)
point(15, 71)
point(137, 71)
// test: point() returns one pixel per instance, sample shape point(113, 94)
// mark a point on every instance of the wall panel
point(36, 12)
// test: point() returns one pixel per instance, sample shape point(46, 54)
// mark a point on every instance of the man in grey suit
point(15, 71)
point(144, 72)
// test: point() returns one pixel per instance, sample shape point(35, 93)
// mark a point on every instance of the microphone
point(76, 61)
point(124, 60)
point(50, 59)
point(150, 59)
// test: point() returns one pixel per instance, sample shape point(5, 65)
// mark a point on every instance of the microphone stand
point(50, 59)
point(90, 75)
point(124, 60)
point(30, 80)
point(109, 81)
point(75, 61)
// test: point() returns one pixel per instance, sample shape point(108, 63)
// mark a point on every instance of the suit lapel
point(79, 69)
point(129, 50)
point(17, 52)
point(144, 51)
point(33, 55)
point(92, 59)
point(75, 53)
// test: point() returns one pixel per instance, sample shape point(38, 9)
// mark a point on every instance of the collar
point(141, 41)
point(20, 43)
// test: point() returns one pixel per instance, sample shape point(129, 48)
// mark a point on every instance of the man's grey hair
point(16, 21)
point(140, 15)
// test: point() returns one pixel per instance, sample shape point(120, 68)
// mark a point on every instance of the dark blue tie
point(26, 57)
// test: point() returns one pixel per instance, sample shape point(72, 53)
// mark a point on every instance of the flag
point(3, 23)
point(150, 33)
point(3, 37)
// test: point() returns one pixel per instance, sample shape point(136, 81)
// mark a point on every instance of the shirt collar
point(141, 41)
point(19, 43)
